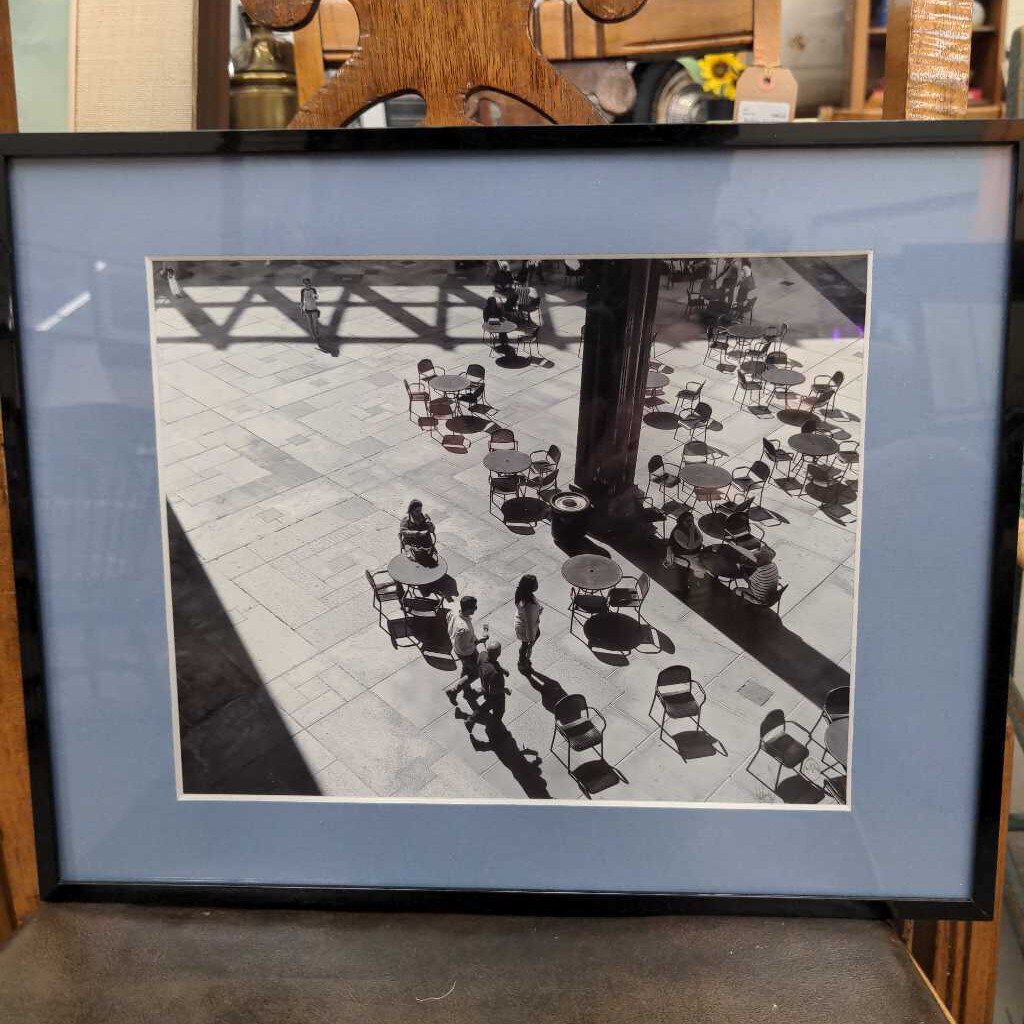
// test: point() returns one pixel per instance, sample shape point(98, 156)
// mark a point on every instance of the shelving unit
point(866, 64)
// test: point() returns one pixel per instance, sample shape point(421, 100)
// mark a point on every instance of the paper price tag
point(762, 112)
point(765, 95)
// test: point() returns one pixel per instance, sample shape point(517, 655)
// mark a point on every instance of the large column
point(622, 296)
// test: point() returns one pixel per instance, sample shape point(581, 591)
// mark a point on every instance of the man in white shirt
point(464, 645)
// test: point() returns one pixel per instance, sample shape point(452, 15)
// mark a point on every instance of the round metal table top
point(746, 332)
point(500, 326)
point(782, 377)
point(724, 564)
point(702, 474)
point(837, 739)
point(656, 379)
point(450, 383)
point(507, 462)
point(570, 503)
point(815, 445)
point(413, 574)
point(591, 572)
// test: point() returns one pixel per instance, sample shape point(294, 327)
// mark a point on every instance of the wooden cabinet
point(866, 65)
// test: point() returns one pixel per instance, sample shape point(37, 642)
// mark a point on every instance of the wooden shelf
point(975, 111)
point(866, 62)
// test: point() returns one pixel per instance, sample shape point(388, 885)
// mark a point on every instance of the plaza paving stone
point(288, 469)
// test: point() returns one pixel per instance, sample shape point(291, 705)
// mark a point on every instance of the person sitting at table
point(746, 284)
point(763, 583)
point(494, 309)
point(416, 530)
point(685, 542)
point(503, 279)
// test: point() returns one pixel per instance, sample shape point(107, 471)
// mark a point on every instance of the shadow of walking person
point(523, 762)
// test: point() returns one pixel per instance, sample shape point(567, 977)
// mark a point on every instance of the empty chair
point(757, 358)
point(742, 535)
point(476, 373)
point(573, 274)
point(631, 596)
point(831, 384)
point(848, 457)
point(777, 335)
point(695, 422)
point(473, 398)
point(579, 725)
point(823, 474)
point(502, 439)
point(427, 370)
point(809, 403)
point(778, 741)
point(543, 471)
point(420, 606)
point(835, 705)
point(746, 387)
point(688, 396)
point(455, 443)
point(775, 454)
point(679, 695)
point(718, 341)
point(661, 475)
point(385, 591)
point(416, 393)
point(750, 480)
point(733, 505)
point(504, 487)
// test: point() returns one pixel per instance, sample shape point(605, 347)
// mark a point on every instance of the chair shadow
point(794, 789)
point(694, 744)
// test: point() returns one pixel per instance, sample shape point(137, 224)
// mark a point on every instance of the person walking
point(492, 682)
point(528, 612)
point(309, 301)
point(465, 642)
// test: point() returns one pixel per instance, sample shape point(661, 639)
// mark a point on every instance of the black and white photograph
point(513, 529)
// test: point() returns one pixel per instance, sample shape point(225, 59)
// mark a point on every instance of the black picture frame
point(978, 904)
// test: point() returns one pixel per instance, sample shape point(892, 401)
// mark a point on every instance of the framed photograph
point(612, 519)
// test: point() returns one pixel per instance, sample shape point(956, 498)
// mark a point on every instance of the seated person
point(494, 309)
point(416, 530)
point(761, 585)
point(685, 542)
point(503, 279)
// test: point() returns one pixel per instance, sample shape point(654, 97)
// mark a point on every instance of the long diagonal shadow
point(233, 739)
point(757, 631)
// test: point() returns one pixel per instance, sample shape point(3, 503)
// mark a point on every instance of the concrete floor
point(129, 965)
point(287, 469)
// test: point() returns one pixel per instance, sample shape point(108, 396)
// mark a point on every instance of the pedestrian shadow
point(523, 763)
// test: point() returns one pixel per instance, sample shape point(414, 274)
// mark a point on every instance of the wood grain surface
point(444, 52)
point(8, 97)
point(927, 59)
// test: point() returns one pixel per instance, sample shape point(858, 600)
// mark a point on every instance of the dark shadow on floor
point(757, 631)
point(233, 740)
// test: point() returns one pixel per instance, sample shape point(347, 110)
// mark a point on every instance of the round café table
point(655, 379)
point(507, 463)
point(450, 383)
point(837, 739)
point(814, 446)
point(591, 572)
point(782, 377)
point(745, 332)
point(414, 574)
point(500, 326)
point(724, 564)
point(705, 477)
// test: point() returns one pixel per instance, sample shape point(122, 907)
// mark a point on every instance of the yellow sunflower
point(719, 72)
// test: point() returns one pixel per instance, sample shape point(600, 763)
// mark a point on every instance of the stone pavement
point(287, 469)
